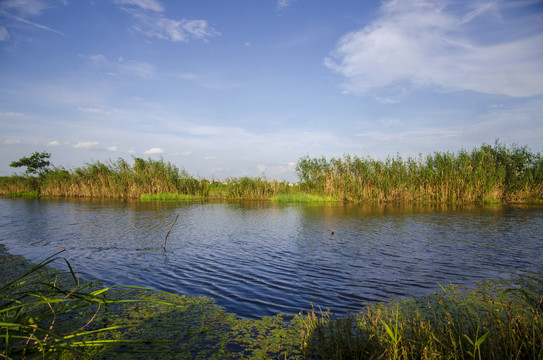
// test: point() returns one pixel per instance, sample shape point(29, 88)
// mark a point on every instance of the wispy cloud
point(11, 114)
point(154, 151)
point(24, 7)
point(19, 11)
point(476, 46)
point(86, 145)
point(53, 143)
point(281, 4)
point(152, 5)
point(4, 34)
point(149, 19)
point(11, 142)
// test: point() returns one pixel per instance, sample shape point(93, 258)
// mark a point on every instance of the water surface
point(260, 258)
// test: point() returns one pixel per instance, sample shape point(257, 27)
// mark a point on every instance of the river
point(261, 258)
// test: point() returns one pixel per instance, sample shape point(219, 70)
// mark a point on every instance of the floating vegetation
point(47, 314)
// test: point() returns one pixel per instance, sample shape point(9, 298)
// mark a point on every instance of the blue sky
point(245, 88)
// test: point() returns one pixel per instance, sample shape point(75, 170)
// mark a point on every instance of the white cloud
point(154, 25)
point(112, 148)
point(152, 5)
point(428, 44)
point(4, 34)
point(53, 143)
point(138, 68)
point(11, 114)
point(24, 7)
point(132, 150)
point(210, 157)
point(154, 151)
point(281, 4)
point(85, 145)
point(184, 153)
point(96, 58)
point(11, 142)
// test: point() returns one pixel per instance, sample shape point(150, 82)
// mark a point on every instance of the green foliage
point(494, 320)
point(167, 197)
point(484, 175)
point(299, 197)
point(47, 314)
point(488, 174)
point(37, 163)
point(24, 194)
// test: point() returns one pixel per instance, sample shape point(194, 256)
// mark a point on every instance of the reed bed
point(146, 179)
point(494, 320)
point(486, 174)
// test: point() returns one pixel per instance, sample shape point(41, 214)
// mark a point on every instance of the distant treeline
point(489, 173)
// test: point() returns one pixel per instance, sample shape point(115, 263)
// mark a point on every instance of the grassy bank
point(488, 174)
point(484, 175)
point(44, 313)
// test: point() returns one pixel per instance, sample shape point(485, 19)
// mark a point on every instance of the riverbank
point(74, 318)
point(488, 174)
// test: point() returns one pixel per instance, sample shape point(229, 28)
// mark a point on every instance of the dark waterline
point(259, 258)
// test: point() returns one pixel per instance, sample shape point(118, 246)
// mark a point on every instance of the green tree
point(36, 163)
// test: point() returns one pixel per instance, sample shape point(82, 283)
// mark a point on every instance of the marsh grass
point(491, 321)
point(47, 315)
point(24, 194)
point(298, 197)
point(487, 174)
point(168, 197)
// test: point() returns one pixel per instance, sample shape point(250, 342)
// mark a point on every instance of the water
point(259, 259)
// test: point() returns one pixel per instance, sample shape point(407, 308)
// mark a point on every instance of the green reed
point(44, 313)
point(486, 174)
point(146, 179)
point(491, 321)
point(298, 197)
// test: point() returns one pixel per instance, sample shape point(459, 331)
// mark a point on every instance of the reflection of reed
point(171, 227)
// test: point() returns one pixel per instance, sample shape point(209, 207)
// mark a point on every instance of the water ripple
point(258, 259)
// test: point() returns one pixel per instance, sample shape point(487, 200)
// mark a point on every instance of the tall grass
point(149, 178)
point(492, 321)
point(486, 174)
point(48, 314)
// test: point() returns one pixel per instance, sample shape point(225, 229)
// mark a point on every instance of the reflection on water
point(260, 258)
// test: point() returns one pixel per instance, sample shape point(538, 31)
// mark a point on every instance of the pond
point(261, 258)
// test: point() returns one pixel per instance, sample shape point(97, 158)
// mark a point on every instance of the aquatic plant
point(486, 174)
point(167, 197)
point(494, 320)
point(298, 197)
point(48, 315)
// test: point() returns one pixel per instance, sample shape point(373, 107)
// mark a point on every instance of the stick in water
point(166, 239)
